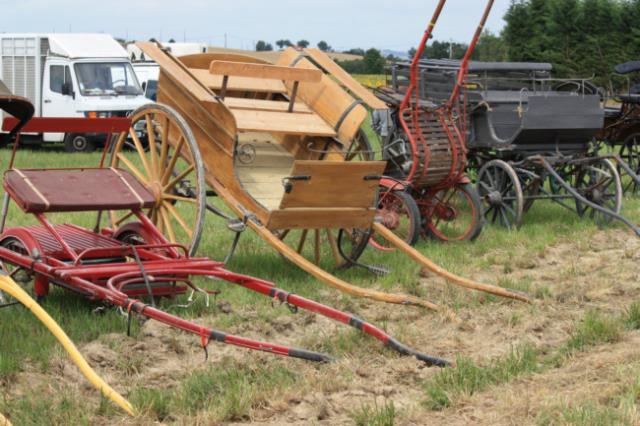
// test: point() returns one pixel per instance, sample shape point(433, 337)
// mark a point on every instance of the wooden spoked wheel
point(21, 276)
point(360, 148)
point(500, 190)
point(599, 182)
point(162, 153)
point(327, 247)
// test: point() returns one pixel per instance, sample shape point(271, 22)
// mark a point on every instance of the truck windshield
point(103, 79)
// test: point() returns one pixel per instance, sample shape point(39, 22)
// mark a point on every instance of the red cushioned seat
point(73, 190)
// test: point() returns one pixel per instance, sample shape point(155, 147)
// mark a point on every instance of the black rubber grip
point(429, 360)
point(310, 356)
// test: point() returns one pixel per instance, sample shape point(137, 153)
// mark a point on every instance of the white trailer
point(70, 75)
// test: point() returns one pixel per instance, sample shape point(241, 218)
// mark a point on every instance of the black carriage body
point(515, 109)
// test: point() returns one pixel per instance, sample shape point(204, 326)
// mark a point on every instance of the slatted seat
point(73, 190)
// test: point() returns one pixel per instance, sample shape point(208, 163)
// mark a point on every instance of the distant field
point(569, 358)
point(371, 80)
point(274, 55)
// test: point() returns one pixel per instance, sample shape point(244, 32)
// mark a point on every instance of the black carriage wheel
point(400, 213)
point(599, 182)
point(21, 276)
point(455, 214)
point(501, 192)
point(630, 153)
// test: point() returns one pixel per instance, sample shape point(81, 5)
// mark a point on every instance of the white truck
point(70, 75)
point(148, 71)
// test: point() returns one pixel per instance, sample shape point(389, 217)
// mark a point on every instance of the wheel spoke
point(316, 248)
point(141, 153)
point(133, 169)
point(172, 210)
point(178, 178)
point(334, 247)
point(164, 146)
point(172, 162)
point(167, 222)
point(153, 153)
point(303, 240)
point(179, 198)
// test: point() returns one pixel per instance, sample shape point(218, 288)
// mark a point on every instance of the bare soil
point(595, 273)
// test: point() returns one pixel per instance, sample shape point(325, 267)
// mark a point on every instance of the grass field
point(569, 358)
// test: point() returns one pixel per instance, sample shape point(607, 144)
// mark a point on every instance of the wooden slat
point(328, 99)
point(240, 84)
point(333, 184)
point(263, 71)
point(262, 105)
point(321, 218)
point(344, 78)
point(279, 122)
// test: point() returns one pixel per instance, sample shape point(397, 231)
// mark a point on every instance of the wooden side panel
point(321, 218)
point(240, 84)
point(327, 99)
point(282, 122)
point(272, 72)
point(333, 184)
point(345, 78)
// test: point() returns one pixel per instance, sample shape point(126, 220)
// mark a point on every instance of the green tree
point(263, 46)
point(374, 62)
point(283, 43)
point(303, 43)
point(490, 48)
point(324, 46)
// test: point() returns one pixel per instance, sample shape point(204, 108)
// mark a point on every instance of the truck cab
point(74, 75)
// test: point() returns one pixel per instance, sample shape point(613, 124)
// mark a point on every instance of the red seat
point(73, 190)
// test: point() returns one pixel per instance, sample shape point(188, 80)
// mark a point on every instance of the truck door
point(58, 95)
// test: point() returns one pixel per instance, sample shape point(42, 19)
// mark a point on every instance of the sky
point(344, 24)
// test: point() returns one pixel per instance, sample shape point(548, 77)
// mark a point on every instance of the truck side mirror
point(67, 90)
point(144, 86)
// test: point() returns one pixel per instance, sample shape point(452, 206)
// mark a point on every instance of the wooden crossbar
point(271, 72)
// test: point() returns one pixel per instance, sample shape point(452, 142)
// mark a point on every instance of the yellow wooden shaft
point(8, 286)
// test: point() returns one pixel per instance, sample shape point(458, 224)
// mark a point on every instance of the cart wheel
point(400, 213)
point(500, 189)
point(360, 148)
point(630, 153)
point(171, 167)
point(78, 143)
point(599, 182)
point(21, 276)
point(342, 246)
point(453, 214)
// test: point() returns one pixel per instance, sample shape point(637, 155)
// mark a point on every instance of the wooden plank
point(263, 105)
point(345, 78)
point(328, 99)
point(263, 71)
point(240, 84)
point(278, 122)
point(333, 184)
point(321, 218)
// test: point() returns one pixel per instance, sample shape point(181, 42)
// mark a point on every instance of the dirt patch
point(569, 278)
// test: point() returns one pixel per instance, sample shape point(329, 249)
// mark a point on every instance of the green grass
point(375, 415)
point(226, 392)
point(26, 346)
point(468, 378)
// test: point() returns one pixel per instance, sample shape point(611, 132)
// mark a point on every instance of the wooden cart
point(270, 141)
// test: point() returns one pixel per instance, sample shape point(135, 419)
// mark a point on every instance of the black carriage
point(622, 122)
point(529, 137)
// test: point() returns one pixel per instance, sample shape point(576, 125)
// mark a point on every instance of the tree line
point(581, 38)
point(263, 46)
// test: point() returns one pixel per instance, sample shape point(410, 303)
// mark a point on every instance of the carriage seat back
point(75, 190)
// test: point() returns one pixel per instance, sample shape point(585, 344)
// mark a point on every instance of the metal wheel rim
point(605, 170)
point(434, 221)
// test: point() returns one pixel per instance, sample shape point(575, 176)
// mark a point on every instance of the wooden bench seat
point(263, 105)
point(282, 122)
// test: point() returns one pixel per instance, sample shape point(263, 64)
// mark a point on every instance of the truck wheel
point(78, 143)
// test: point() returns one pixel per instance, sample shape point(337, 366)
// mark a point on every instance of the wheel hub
point(494, 198)
point(158, 191)
point(390, 219)
point(597, 196)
